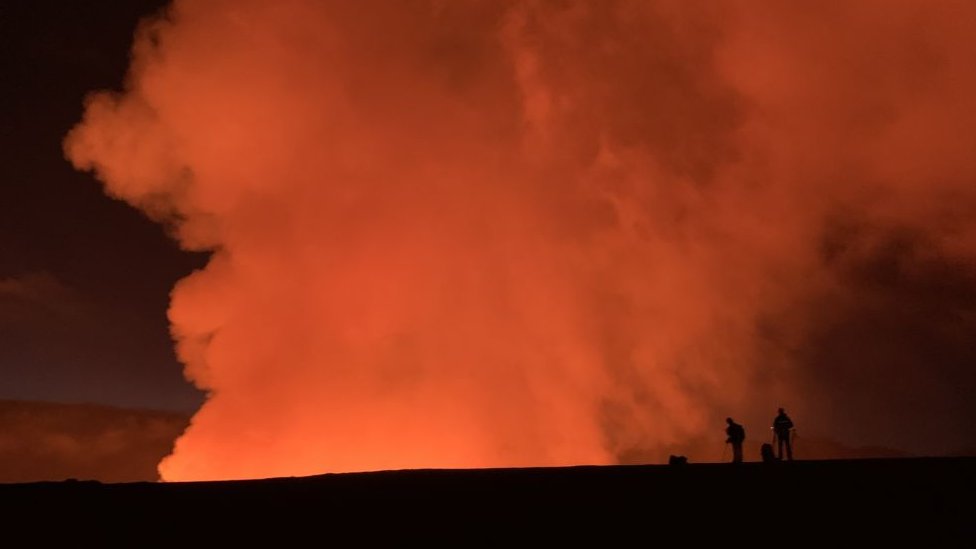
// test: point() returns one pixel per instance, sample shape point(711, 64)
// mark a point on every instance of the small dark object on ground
point(766, 451)
point(677, 460)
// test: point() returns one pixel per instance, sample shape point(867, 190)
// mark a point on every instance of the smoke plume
point(480, 233)
point(47, 441)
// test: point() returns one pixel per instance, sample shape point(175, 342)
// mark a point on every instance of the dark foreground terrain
point(931, 499)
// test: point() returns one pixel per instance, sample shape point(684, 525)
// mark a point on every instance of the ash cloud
point(463, 234)
point(46, 441)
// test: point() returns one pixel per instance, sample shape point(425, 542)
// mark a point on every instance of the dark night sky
point(84, 280)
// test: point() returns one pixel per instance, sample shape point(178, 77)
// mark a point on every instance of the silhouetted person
point(736, 434)
point(782, 428)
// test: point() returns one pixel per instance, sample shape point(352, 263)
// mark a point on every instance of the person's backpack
point(677, 460)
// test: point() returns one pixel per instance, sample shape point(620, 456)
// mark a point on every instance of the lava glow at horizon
point(496, 233)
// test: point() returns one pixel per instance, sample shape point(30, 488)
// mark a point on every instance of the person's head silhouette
point(782, 412)
point(729, 421)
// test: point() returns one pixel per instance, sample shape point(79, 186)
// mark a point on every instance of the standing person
point(782, 428)
point(736, 434)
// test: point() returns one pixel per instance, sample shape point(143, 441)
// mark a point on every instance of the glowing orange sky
point(479, 233)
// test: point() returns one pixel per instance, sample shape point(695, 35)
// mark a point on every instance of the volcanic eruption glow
point(495, 233)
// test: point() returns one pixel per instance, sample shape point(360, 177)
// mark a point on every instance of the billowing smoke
point(46, 441)
point(482, 233)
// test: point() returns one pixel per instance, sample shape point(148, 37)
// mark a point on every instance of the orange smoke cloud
point(467, 234)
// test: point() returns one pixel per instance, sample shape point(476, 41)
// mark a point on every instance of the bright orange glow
point(480, 233)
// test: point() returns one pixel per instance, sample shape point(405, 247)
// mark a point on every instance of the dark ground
point(928, 499)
